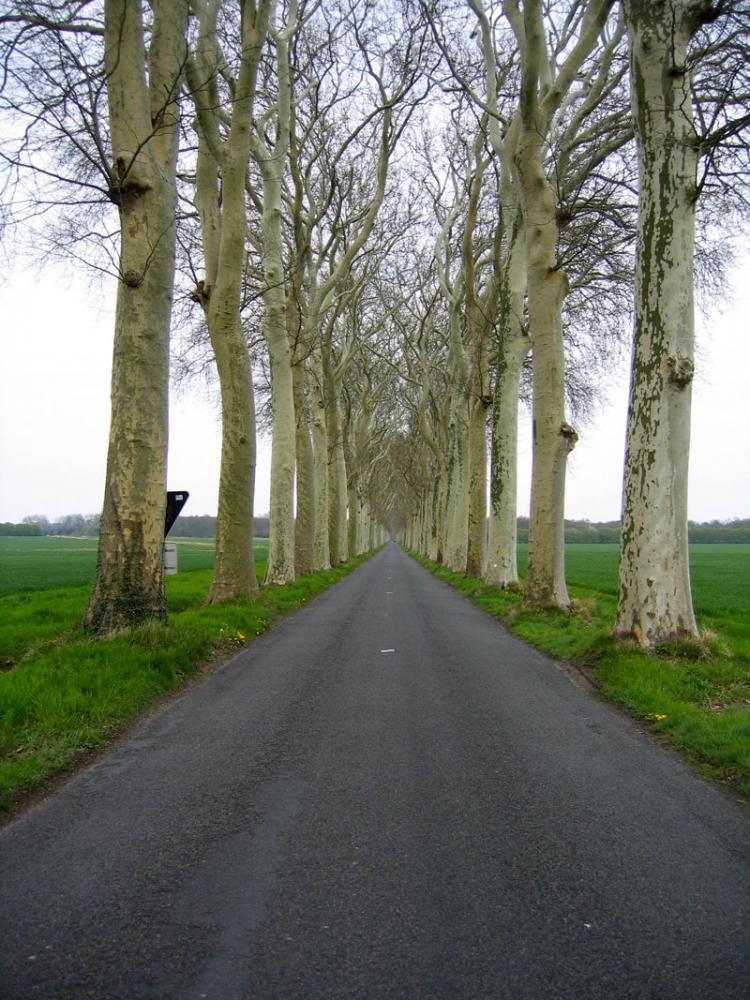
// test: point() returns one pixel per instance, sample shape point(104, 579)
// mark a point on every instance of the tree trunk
point(655, 602)
point(353, 524)
point(363, 540)
point(553, 438)
point(320, 456)
point(301, 327)
point(457, 515)
point(234, 565)
point(280, 567)
point(457, 501)
point(502, 558)
point(337, 489)
point(476, 549)
point(220, 197)
point(304, 524)
point(129, 582)
point(337, 510)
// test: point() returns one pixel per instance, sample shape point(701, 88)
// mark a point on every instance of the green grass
point(43, 613)
point(694, 694)
point(63, 694)
point(720, 575)
point(41, 563)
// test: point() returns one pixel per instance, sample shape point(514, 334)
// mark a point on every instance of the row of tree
point(88, 526)
point(382, 224)
point(574, 191)
point(81, 525)
point(204, 526)
point(10, 528)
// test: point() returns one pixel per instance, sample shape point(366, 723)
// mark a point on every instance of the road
point(384, 797)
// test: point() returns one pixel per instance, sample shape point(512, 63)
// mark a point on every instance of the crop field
point(42, 563)
point(45, 583)
point(720, 575)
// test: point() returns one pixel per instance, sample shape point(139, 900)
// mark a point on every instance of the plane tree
point(94, 93)
point(220, 194)
point(143, 90)
point(690, 87)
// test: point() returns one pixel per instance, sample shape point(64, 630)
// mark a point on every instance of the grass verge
point(695, 695)
point(64, 695)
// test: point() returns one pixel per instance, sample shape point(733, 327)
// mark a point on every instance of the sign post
point(176, 500)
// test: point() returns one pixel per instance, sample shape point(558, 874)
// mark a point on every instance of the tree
point(143, 93)
point(654, 603)
point(270, 155)
point(59, 61)
point(543, 89)
point(220, 183)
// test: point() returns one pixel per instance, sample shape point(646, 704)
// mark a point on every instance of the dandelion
point(660, 718)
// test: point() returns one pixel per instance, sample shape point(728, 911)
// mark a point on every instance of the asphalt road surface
point(385, 797)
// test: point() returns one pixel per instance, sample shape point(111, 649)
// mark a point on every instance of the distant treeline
point(204, 526)
point(87, 526)
point(608, 532)
point(8, 528)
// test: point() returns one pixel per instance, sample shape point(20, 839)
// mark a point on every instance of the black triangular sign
point(176, 500)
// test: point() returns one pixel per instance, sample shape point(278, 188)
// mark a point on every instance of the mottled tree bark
point(301, 331)
point(143, 118)
point(280, 567)
point(220, 197)
point(552, 436)
point(304, 522)
point(654, 602)
point(543, 89)
point(457, 514)
point(513, 346)
point(337, 488)
point(320, 471)
point(479, 318)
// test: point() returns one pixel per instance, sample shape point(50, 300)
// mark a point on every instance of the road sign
point(175, 502)
point(170, 559)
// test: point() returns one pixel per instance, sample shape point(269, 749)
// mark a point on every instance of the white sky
point(55, 351)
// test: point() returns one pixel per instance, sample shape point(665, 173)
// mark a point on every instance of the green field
point(720, 575)
point(43, 562)
point(45, 584)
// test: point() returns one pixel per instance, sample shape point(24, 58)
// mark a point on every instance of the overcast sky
point(54, 413)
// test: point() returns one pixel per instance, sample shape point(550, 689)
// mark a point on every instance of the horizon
point(607, 523)
point(54, 412)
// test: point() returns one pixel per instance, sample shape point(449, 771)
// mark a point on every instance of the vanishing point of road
point(384, 797)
